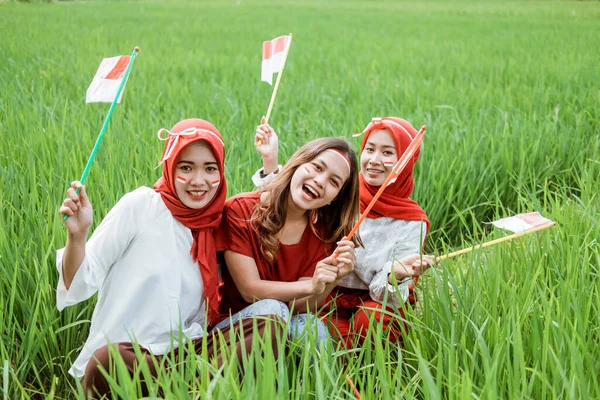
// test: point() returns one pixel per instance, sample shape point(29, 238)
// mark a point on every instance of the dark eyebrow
point(385, 146)
point(325, 166)
point(192, 163)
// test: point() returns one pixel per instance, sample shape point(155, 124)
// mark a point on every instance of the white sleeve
point(383, 292)
point(107, 244)
point(410, 242)
point(260, 181)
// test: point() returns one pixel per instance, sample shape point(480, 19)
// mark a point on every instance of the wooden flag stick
point(408, 153)
point(287, 50)
point(496, 241)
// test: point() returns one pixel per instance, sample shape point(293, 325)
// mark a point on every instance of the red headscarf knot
point(204, 221)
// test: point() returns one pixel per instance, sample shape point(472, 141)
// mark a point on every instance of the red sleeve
point(236, 228)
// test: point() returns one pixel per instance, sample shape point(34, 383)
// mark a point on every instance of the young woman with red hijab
point(286, 242)
point(152, 259)
point(393, 233)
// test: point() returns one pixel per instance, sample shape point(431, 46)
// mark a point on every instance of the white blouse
point(150, 289)
point(385, 239)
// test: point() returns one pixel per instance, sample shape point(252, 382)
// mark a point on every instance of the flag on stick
point(520, 224)
point(273, 58)
point(115, 99)
point(107, 81)
point(275, 54)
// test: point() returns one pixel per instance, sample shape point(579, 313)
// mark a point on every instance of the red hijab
point(204, 221)
point(394, 201)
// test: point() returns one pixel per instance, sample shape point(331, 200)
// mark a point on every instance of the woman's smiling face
point(196, 177)
point(317, 182)
point(378, 157)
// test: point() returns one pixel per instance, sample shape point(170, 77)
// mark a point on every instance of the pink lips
point(196, 198)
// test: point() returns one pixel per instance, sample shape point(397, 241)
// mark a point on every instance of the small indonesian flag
point(107, 80)
point(273, 54)
point(180, 179)
point(522, 222)
point(215, 183)
point(388, 163)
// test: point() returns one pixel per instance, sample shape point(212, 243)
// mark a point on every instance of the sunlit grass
point(508, 90)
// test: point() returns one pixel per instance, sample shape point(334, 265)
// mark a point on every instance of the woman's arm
point(304, 294)
point(267, 144)
point(244, 272)
point(83, 266)
point(80, 217)
point(391, 279)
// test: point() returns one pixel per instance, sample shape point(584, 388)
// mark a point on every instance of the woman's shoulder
point(143, 193)
point(241, 206)
point(395, 226)
point(243, 200)
point(141, 199)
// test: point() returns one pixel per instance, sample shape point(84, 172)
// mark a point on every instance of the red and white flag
point(273, 54)
point(107, 80)
point(522, 222)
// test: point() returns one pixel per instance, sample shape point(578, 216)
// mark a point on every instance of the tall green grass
point(508, 90)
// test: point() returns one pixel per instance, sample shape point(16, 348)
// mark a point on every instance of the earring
point(315, 217)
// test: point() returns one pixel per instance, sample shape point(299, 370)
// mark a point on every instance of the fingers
point(327, 264)
point(261, 138)
point(64, 210)
point(345, 255)
point(422, 264)
point(325, 273)
point(410, 259)
point(263, 134)
point(83, 197)
point(326, 276)
point(74, 201)
point(72, 192)
point(345, 242)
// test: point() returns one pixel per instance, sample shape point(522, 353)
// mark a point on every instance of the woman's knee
point(94, 380)
point(303, 326)
point(273, 307)
point(100, 360)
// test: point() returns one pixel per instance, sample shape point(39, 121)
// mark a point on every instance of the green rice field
point(509, 91)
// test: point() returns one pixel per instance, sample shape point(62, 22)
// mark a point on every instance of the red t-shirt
point(293, 261)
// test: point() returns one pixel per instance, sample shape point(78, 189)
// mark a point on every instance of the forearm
point(73, 256)
point(282, 291)
point(270, 164)
point(384, 288)
point(313, 302)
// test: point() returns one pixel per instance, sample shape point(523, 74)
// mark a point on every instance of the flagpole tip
point(136, 48)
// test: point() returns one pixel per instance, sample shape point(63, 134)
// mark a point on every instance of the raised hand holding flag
point(102, 89)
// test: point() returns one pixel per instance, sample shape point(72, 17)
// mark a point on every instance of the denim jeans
point(300, 325)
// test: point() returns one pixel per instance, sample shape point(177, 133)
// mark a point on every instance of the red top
point(293, 261)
